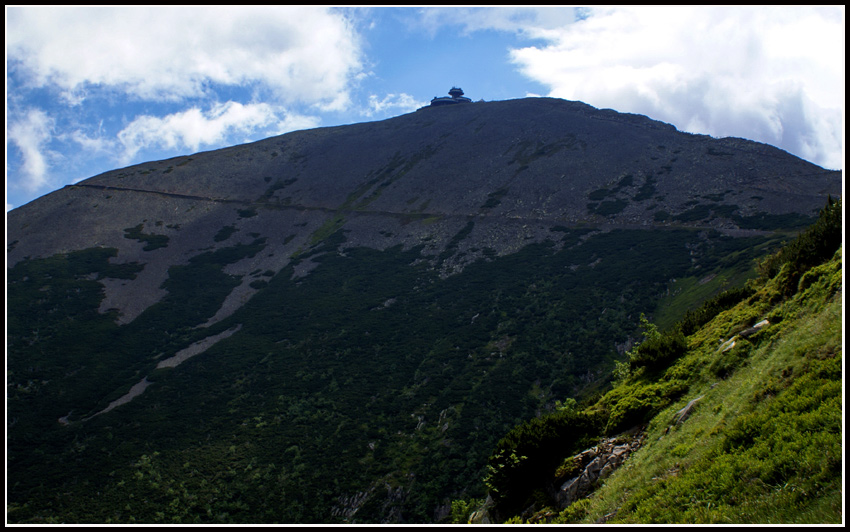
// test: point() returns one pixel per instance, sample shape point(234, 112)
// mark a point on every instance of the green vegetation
point(763, 444)
point(772, 222)
point(526, 151)
point(58, 338)
point(810, 249)
point(762, 221)
point(406, 379)
point(331, 226)
point(657, 350)
point(494, 198)
point(395, 169)
point(608, 208)
point(277, 185)
point(152, 241)
point(224, 233)
point(647, 190)
point(514, 469)
point(605, 201)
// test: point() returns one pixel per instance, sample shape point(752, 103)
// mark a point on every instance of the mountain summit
point(338, 324)
point(511, 169)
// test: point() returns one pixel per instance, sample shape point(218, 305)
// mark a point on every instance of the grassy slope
point(763, 445)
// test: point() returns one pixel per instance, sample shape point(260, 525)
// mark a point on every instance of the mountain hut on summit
point(455, 96)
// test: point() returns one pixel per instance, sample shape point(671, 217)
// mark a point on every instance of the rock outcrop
point(596, 464)
point(746, 333)
point(576, 479)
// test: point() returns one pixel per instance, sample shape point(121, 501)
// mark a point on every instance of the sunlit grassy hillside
point(763, 441)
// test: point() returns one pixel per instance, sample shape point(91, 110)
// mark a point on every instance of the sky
point(91, 89)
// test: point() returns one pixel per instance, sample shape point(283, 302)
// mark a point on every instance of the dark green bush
point(812, 247)
point(630, 405)
point(608, 208)
point(152, 241)
point(528, 455)
point(224, 233)
point(661, 216)
point(696, 213)
point(659, 351)
point(694, 319)
point(728, 361)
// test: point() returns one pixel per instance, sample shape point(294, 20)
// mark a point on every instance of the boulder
point(597, 463)
point(746, 333)
point(683, 414)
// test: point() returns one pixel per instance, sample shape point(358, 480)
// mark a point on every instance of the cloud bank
point(90, 88)
point(166, 78)
point(302, 54)
point(775, 75)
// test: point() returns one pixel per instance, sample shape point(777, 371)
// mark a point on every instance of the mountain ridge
point(240, 175)
point(388, 296)
point(440, 167)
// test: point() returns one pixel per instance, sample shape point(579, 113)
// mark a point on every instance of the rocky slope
point(515, 169)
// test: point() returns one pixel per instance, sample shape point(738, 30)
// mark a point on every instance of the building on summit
point(455, 96)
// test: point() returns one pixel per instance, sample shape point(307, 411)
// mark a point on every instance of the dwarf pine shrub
point(813, 246)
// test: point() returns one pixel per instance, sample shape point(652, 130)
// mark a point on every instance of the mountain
point(338, 325)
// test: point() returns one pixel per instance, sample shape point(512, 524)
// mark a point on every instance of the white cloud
point(89, 144)
point(293, 122)
point(165, 69)
point(30, 134)
point(295, 54)
point(403, 103)
point(773, 74)
point(193, 128)
point(769, 74)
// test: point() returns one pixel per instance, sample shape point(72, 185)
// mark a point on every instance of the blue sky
point(90, 89)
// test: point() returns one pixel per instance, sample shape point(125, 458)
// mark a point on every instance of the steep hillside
point(337, 325)
point(734, 415)
point(500, 174)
